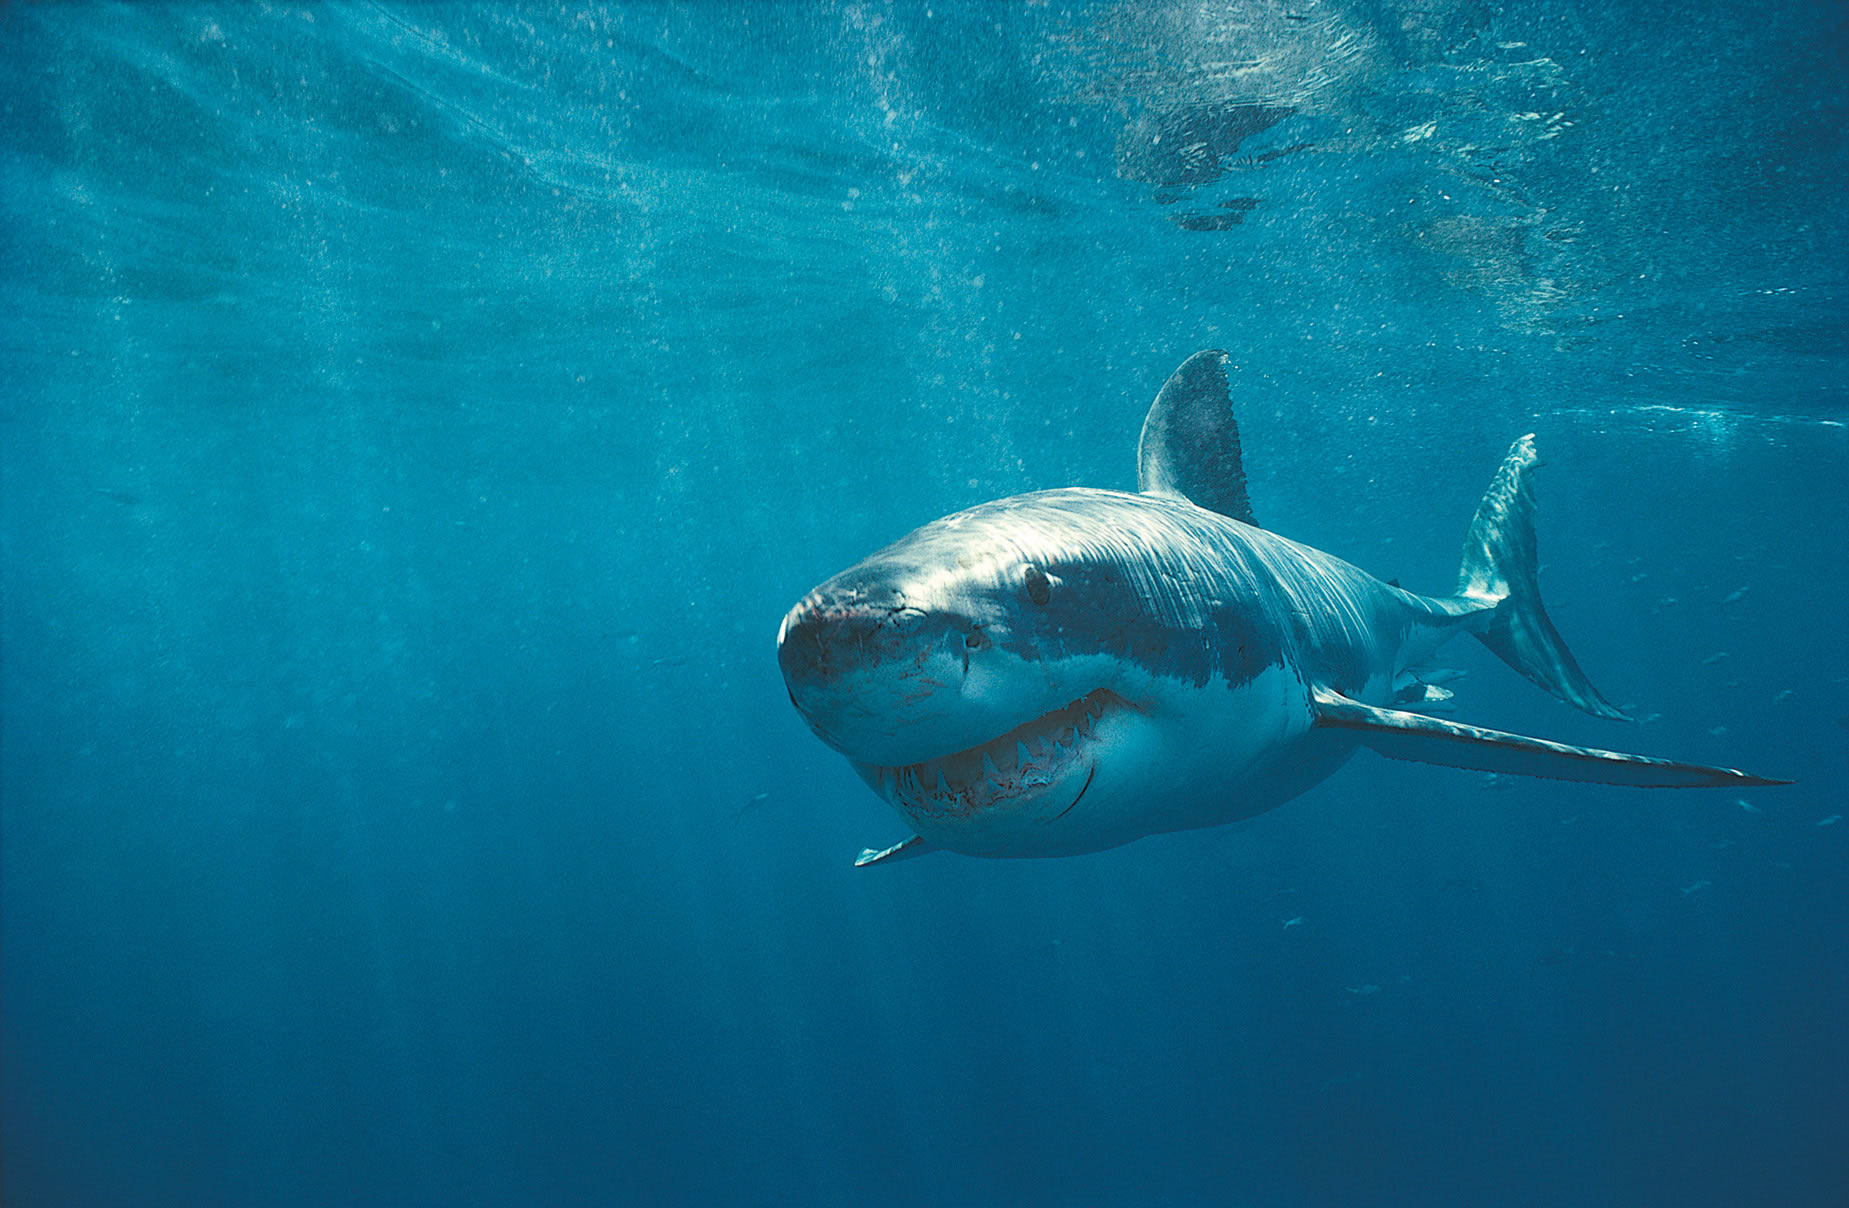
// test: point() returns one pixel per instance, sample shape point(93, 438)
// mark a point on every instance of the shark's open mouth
point(1021, 763)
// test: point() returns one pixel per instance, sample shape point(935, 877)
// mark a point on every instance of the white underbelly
point(1196, 757)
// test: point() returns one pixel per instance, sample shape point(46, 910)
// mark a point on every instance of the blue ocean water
point(416, 419)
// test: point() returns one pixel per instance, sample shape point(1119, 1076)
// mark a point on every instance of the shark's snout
point(891, 676)
point(859, 663)
point(803, 642)
point(826, 637)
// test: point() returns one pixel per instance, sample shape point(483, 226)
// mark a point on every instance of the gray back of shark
point(1067, 671)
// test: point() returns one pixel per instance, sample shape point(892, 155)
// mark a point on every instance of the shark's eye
point(1038, 588)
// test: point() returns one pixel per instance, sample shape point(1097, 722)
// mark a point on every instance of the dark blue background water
point(416, 419)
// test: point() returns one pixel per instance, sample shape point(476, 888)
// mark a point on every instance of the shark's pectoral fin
point(1412, 736)
point(914, 846)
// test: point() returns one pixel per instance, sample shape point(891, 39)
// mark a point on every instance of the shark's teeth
point(1026, 759)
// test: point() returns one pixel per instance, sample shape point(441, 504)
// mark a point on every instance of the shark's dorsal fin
point(1190, 442)
point(1422, 739)
point(914, 846)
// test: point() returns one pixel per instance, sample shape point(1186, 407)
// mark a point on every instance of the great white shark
point(1069, 670)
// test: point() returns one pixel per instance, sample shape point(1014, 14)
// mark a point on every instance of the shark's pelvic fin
point(1500, 568)
point(1422, 739)
point(1190, 442)
point(914, 846)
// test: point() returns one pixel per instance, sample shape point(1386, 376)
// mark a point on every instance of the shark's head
point(983, 670)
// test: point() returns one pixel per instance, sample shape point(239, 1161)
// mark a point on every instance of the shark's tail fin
point(1500, 568)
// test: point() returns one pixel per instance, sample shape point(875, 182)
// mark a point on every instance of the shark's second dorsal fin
point(1190, 443)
